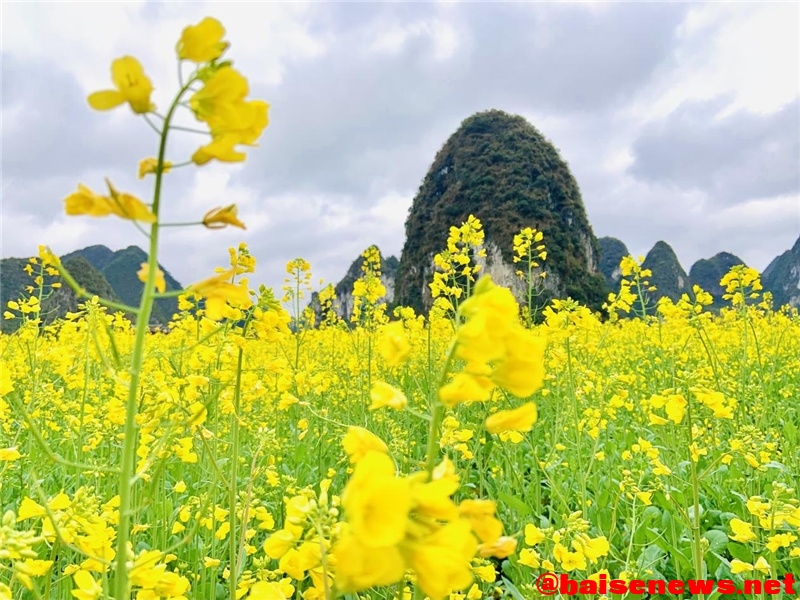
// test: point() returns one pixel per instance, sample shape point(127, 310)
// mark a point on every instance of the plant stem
point(121, 586)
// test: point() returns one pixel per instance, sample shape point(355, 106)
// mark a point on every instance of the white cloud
point(748, 50)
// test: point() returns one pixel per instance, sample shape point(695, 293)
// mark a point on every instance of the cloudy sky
point(680, 122)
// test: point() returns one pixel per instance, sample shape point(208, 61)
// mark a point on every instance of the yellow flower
point(656, 419)
point(529, 558)
point(742, 531)
point(569, 560)
point(231, 119)
point(132, 85)
point(496, 348)
point(128, 206)
point(464, 387)
point(144, 272)
point(485, 573)
point(442, 560)
point(676, 408)
point(519, 419)
point(591, 548)
point(34, 567)
point(279, 543)
point(88, 588)
point(739, 566)
point(358, 442)
point(696, 451)
point(480, 514)
point(502, 547)
point(267, 590)
point(9, 454)
point(359, 567)
point(533, 535)
point(86, 202)
point(660, 468)
point(393, 344)
point(202, 43)
point(376, 502)
point(781, 540)
point(179, 487)
point(149, 165)
point(382, 394)
point(218, 218)
point(221, 148)
point(218, 291)
point(29, 509)
point(762, 565)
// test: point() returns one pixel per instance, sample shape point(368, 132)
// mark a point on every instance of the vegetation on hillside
point(501, 169)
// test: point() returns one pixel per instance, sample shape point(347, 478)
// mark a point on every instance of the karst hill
point(501, 169)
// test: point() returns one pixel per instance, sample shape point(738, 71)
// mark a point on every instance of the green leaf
point(512, 590)
point(741, 552)
point(514, 503)
point(717, 540)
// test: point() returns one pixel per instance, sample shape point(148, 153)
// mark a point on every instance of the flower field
point(261, 449)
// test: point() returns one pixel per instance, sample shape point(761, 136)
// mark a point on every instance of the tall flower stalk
point(218, 100)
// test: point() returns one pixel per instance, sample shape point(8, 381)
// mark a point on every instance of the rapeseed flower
point(384, 395)
point(133, 87)
point(497, 349)
point(519, 419)
point(217, 218)
point(144, 272)
point(218, 292)
point(359, 442)
point(203, 42)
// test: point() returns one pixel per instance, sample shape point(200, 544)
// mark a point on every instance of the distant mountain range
point(781, 277)
point(112, 275)
point(100, 271)
point(504, 171)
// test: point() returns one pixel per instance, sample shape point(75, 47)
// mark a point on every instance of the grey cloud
point(741, 156)
point(354, 125)
point(53, 131)
point(333, 115)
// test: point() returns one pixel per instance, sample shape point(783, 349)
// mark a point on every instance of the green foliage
point(501, 169)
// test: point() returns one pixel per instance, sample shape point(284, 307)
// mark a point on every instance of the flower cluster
point(585, 550)
point(395, 524)
point(496, 348)
point(368, 291)
point(456, 265)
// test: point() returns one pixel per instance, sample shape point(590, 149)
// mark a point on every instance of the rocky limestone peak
point(707, 273)
point(501, 169)
point(668, 275)
point(782, 277)
point(612, 251)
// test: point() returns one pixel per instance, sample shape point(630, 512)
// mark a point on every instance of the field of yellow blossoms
point(261, 450)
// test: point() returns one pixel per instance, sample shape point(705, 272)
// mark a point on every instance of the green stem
point(121, 587)
point(697, 543)
point(437, 416)
point(233, 489)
